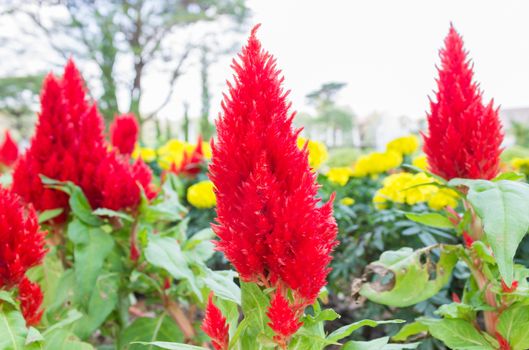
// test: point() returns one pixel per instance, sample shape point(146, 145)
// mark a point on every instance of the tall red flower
point(8, 150)
point(21, 242)
point(464, 135)
point(124, 132)
point(271, 226)
point(69, 145)
point(215, 326)
point(283, 320)
point(30, 297)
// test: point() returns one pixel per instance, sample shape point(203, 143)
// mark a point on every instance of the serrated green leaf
point(503, 206)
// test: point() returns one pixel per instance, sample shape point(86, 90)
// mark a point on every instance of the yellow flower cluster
point(201, 195)
point(317, 152)
point(520, 164)
point(172, 151)
point(420, 162)
point(376, 163)
point(339, 175)
point(404, 145)
point(412, 189)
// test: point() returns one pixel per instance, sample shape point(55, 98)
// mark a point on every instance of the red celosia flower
point(271, 226)
point(464, 135)
point(69, 145)
point(191, 163)
point(283, 319)
point(215, 326)
point(30, 297)
point(8, 150)
point(456, 298)
point(124, 132)
point(21, 242)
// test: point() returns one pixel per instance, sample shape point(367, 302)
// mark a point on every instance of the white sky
point(386, 50)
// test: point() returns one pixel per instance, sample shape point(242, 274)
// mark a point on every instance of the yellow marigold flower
point(173, 152)
point(420, 162)
point(376, 163)
point(520, 163)
point(145, 153)
point(445, 197)
point(404, 145)
point(339, 175)
point(317, 152)
point(412, 189)
point(201, 195)
point(206, 149)
point(347, 201)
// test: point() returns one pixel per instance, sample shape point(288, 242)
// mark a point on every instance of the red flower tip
point(166, 283)
point(455, 298)
point(269, 221)
point(507, 289)
point(21, 242)
point(215, 326)
point(464, 134)
point(124, 132)
point(283, 319)
point(8, 150)
point(503, 343)
point(467, 239)
point(30, 297)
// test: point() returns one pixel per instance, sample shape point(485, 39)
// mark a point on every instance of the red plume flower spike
point(283, 319)
point(68, 145)
point(8, 151)
point(30, 297)
point(21, 242)
point(269, 222)
point(215, 326)
point(124, 132)
point(464, 135)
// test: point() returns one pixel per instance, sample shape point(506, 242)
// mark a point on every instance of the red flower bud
point(467, 239)
point(215, 326)
point(8, 150)
point(30, 297)
point(507, 289)
point(283, 319)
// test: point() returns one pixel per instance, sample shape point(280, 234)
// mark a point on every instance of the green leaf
point(13, 331)
point(222, 285)
point(61, 339)
point(112, 213)
point(458, 334)
point(457, 310)
point(145, 329)
point(71, 317)
point(103, 300)
point(346, 331)
point(81, 208)
point(48, 275)
point(406, 277)
point(33, 336)
point(254, 306)
point(377, 344)
point(512, 176)
point(49, 214)
point(430, 219)
point(173, 346)
point(513, 325)
point(409, 330)
point(503, 206)
point(92, 247)
point(165, 252)
point(7, 297)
